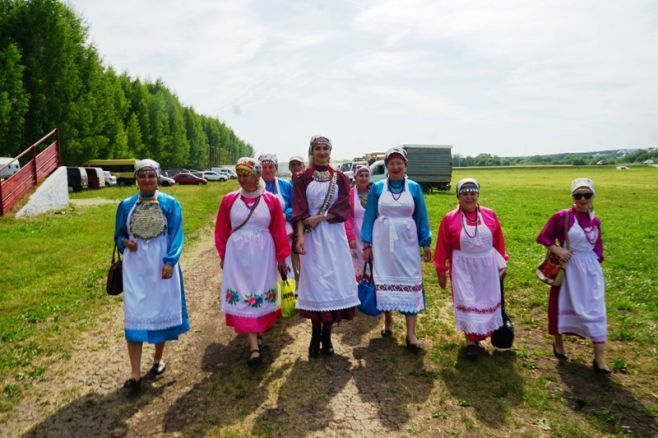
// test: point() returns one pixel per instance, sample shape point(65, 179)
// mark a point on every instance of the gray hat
point(296, 158)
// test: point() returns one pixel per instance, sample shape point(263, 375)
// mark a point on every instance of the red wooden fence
point(32, 172)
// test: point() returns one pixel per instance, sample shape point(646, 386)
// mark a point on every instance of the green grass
point(53, 274)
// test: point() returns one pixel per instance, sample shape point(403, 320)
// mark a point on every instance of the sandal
point(414, 348)
point(386, 333)
point(254, 360)
point(133, 385)
point(158, 368)
point(599, 370)
point(558, 355)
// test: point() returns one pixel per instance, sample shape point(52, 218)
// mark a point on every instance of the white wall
point(52, 194)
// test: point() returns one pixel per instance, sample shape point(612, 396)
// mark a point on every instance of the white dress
point(249, 277)
point(581, 302)
point(476, 281)
point(396, 261)
point(142, 274)
point(326, 280)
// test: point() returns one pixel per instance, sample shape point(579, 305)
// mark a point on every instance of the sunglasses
point(578, 196)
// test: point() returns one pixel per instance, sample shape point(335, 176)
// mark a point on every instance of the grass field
point(52, 283)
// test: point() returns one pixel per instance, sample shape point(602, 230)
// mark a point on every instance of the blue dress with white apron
point(282, 189)
point(154, 308)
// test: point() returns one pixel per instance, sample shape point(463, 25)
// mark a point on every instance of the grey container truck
point(429, 165)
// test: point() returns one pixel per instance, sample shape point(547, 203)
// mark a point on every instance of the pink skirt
point(243, 324)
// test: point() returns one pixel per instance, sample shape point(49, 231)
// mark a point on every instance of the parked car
point(77, 178)
point(95, 177)
point(12, 166)
point(225, 171)
point(165, 181)
point(188, 178)
point(212, 176)
point(110, 180)
point(377, 171)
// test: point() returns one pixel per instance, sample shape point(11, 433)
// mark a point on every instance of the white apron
point(326, 280)
point(476, 281)
point(282, 201)
point(150, 302)
point(395, 254)
point(249, 277)
point(358, 212)
point(581, 302)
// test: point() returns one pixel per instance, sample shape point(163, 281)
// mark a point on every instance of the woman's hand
point(130, 244)
point(283, 268)
point(367, 254)
point(352, 244)
point(443, 281)
point(427, 254)
point(502, 272)
point(313, 221)
point(563, 254)
point(221, 264)
point(299, 245)
point(167, 272)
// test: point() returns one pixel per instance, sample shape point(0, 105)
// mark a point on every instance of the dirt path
point(207, 385)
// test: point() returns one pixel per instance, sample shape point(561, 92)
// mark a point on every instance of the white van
point(8, 171)
point(378, 171)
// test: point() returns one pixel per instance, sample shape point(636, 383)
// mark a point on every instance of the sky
point(508, 78)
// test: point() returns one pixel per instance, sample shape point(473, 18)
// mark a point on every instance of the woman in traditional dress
point(577, 306)
point(150, 225)
point(250, 237)
point(327, 291)
point(358, 201)
point(395, 225)
point(471, 242)
point(282, 189)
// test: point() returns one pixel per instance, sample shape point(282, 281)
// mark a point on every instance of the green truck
point(429, 165)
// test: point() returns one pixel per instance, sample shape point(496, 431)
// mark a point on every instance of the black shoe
point(158, 368)
point(133, 385)
point(314, 346)
point(386, 333)
point(472, 351)
point(600, 370)
point(327, 348)
point(559, 356)
point(414, 348)
point(254, 360)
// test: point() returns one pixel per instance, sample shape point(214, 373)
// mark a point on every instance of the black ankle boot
point(327, 348)
point(314, 346)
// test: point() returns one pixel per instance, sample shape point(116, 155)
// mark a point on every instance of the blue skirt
point(160, 336)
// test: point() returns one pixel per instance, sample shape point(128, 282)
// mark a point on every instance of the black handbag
point(503, 336)
point(115, 274)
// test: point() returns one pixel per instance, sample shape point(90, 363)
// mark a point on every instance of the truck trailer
point(429, 165)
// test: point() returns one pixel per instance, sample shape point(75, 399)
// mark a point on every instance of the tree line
point(50, 76)
point(575, 159)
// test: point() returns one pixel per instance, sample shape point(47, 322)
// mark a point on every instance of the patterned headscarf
point(582, 183)
point(468, 185)
point(396, 150)
point(361, 168)
point(269, 157)
point(147, 165)
point(248, 164)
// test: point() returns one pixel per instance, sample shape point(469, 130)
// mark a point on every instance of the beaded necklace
point(464, 222)
point(321, 175)
point(400, 186)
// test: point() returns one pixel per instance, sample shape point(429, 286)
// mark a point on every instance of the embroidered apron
point(150, 302)
point(395, 254)
point(581, 302)
point(476, 282)
point(326, 281)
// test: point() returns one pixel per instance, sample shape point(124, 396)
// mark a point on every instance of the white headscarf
point(147, 164)
point(580, 183)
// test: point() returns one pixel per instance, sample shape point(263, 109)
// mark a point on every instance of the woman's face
point(269, 171)
point(147, 182)
point(582, 198)
point(362, 180)
point(247, 180)
point(321, 154)
point(468, 201)
point(295, 167)
point(396, 167)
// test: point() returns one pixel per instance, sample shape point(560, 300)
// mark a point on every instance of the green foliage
point(51, 77)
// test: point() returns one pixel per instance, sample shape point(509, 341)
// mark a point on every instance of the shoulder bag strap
point(115, 252)
point(251, 211)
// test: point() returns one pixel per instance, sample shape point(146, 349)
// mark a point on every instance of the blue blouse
point(286, 192)
point(419, 215)
point(172, 211)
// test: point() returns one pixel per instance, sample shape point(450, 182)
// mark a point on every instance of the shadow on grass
point(391, 378)
point(231, 392)
point(490, 385)
point(99, 415)
point(354, 331)
point(604, 403)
